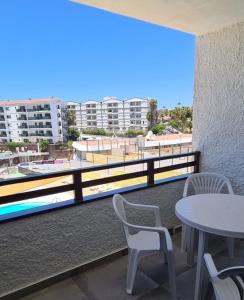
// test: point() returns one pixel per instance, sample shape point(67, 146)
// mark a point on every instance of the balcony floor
point(107, 281)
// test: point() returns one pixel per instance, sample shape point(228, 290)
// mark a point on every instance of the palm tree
point(71, 117)
point(152, 113)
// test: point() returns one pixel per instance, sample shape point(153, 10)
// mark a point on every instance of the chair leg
point(190, 246)
point(231, 247)
point(172, 275)
point(183, 238)
point(133, 258)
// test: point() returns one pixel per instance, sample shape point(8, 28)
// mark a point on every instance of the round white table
point(219, 214)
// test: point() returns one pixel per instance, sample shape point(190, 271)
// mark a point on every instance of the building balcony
point(1, 110)
point(2, 126)
point(69, 236)
point(40, 118)
point(23, 127)
point(115, 117)
point(2, 119)
point(91, 112)
point(23, 134)
point(41, 134)
point(151, 279)
point(53, 235)
point(22, 118)
point(38, 109)
point(3, 134)
point(21, 110)
point(40, 126)
point(112, 111)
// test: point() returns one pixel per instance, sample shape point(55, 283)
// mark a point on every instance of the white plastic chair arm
point(213, 271)
point(160, 230)
point(229, 270)
point(153, 208)
point(210, 265)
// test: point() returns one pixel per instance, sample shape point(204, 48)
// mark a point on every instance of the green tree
point(163, 112)
point(181, 118)
point(157, 128)
point(43, 144)
point(73, 134)
point(69, 144)
point(71, 117)
point(13, 145)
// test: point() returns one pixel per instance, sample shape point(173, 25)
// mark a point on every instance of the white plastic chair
point(227, 284)
point(146, 241)
point(204, 183)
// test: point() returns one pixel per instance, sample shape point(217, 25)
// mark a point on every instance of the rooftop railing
point(78, 184)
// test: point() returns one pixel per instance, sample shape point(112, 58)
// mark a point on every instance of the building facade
point(111, 114)
point(32, 120)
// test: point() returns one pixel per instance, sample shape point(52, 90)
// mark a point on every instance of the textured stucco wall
point(219, 103)
point(41, 246)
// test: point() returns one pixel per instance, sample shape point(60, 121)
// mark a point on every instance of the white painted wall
point(219, 103)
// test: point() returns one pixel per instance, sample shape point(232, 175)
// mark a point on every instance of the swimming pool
point(13, 208)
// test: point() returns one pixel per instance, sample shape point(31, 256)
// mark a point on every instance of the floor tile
point(109, 282)
point(159, 293)
point(64, 290)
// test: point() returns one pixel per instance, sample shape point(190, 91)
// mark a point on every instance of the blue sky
point(63, 49)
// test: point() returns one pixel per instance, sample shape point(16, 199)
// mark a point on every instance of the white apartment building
point(32, 120)
point(111, 114)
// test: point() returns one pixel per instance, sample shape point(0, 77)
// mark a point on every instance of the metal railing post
point(150, 172)
point(78, 193)
point(197, 162)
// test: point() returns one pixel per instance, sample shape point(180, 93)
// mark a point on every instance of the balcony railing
point(23, 127)
point(40, 118)
point(38, 109)
point(40, 126)
point(2, 119)
point(78, 185)
point(22, 118)
point(41, 134)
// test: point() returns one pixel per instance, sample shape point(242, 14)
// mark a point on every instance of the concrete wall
point(41, 246)
point(219, 103)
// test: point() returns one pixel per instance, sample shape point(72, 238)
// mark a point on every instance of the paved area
point(107, 281)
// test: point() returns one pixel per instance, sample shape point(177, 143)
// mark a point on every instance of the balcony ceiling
point(193, 16)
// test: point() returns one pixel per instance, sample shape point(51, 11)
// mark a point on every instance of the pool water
point(12, 208)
